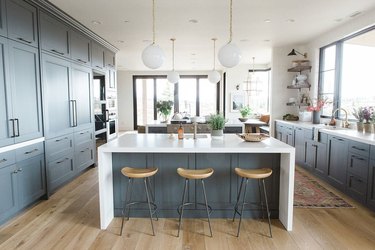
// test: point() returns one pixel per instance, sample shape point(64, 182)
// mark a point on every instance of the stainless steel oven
point(112, 124)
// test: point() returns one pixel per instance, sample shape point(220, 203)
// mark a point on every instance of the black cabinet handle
point(3, 160)
point(339, 139)
point(59, 162)
point(80, 60)
point(75, 112)
point(13, 128)
point(18, 127)
point(58, 52)
point(361, 149)
point(58, 140)
point(98, 67)
point(82, 151)
point(32, 151)
point(24, 40)
point(72, 102)
point(358, 158)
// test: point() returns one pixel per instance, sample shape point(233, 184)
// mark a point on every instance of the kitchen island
point(223, 155)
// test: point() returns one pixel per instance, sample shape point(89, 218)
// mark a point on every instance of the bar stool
point(247, 174)
point(139, 173)
point(191, 174)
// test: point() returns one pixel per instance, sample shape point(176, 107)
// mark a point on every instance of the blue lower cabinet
point(9, 192)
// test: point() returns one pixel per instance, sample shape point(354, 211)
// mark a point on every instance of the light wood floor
point(70, 220)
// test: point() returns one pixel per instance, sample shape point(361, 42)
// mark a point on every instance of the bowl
point(243, 119)
point(253, 137)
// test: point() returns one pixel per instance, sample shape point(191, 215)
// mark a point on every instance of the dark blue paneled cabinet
point(337, 161)
point(3, 24)
point(21, 118)
point(371, 180)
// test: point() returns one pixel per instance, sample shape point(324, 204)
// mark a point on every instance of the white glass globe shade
point(173, 77)
point(214, 76)
point(153, 56)
point(229, 55)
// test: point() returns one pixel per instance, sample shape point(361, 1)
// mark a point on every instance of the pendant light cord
point(173, 53)
point(214, 39)
point(153, 21)
point(230, 21)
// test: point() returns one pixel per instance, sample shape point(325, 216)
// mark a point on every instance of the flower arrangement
point(368, 113)
point(164, 108)
point(358, 113)
point(318, 104)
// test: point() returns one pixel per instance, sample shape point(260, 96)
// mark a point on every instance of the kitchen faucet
point(344, 124)
point(195, 129)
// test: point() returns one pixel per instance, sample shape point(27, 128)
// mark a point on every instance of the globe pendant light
point(214, 76)
point(173, 76)
point(153, 56)
point(230, 54)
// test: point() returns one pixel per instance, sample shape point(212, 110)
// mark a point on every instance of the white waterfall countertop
point(164, 143)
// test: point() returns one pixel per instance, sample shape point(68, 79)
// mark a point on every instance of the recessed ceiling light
point(146, 41)
point(354, 14)
point(193, 21)
point(126, 21)
point(244, 40)
point(96, 22)
point(266, 40)
point(338, 20)
point(290, 20)
point(120, 41)
point(193, 54)
point(267, 20)
point(193, 62)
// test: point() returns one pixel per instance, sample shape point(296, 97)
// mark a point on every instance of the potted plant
point(315, 108)
point(245, 112)
point(367, 115)
point(358, 114)
point(217, 124)
point(165, 109)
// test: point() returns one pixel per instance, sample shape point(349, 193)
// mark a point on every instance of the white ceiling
point(130, 21)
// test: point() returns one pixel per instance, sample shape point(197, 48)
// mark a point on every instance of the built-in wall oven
point(112, 115)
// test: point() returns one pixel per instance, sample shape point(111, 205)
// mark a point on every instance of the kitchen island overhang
point(157, 146)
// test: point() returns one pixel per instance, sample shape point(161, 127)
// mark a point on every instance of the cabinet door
point(31, 180)
point(22, 22)
point(25, 86)
point(97, 56)
point(310, 154)
point(299, 144)
point(81, 86)
point(54, 35)
point(58, 108)
point(3, 24)
point(59, 171)
point(289, 136)
point(371, 185)
point(6, 128)
point(337, 163)
point(9, 192)
point(321, 166)
point(80, 48)
point(109, 58)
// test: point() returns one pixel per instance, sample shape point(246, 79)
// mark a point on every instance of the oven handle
point(107, 115)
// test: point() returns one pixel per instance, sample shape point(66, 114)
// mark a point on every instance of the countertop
point(230, 123)
point(164, 143)
point(350, 134)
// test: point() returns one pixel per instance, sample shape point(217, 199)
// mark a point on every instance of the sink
point(334, 128)
point(198, 136)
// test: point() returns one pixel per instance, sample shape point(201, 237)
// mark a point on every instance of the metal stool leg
point(182, 207)
point(268, 212)
point(205, 200)
point(243, 205)
point(149, 206)
point(238, 198)
point(125, 204)
point(261, 199)
point(152, 195)
point(130, 195)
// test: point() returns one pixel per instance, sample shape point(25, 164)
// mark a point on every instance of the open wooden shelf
point(299, 86)
point(299, 69)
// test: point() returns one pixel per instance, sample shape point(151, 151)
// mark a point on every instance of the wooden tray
point(253, 137)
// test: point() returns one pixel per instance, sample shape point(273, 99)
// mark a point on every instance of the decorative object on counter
point(253, 137)
point(308, 193)
point(304, 116)
point(153, 56)
point(217, 124)
point(165, 109)
point(245, 112)
point(316, 117)
point(316, 107)
point(290, 117)
point(367, 115)
point(173, 76)
point(229, 54)
point(358, 114)
point(214, 76)
point(295, 52)
point(180, 132)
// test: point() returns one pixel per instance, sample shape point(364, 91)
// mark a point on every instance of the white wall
point(125, 94)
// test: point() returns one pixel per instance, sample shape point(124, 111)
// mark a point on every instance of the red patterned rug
point(308, 193)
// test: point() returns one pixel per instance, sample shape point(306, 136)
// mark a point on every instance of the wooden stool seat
point(195, 173)
point(259, 173)
point(138, 172)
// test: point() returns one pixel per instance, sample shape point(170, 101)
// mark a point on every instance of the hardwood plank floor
point(70, 220)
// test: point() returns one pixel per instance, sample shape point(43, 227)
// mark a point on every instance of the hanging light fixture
point(173, 76)
point(153, 56)
point(251, 83)
point(214, 76)
point(230, 54)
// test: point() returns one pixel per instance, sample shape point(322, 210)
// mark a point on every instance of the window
point(257, 90)
point(192, 96)
point(346, 72)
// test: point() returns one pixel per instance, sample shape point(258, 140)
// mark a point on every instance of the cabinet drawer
point(29, 151)
point(83, 136)
point(356, 187)
point(7, 158)
point(372, 152)
point(359, 148)
point(84, 156)
point(59, 171)
point(58, 147)
point(358, 165)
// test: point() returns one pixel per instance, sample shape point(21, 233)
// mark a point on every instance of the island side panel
point(287, 168)
point(105, 188)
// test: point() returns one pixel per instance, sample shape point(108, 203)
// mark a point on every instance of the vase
point(218, 132)
point(360, 127)
point(316, 117)
point(368, 127)
point(163, 118)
